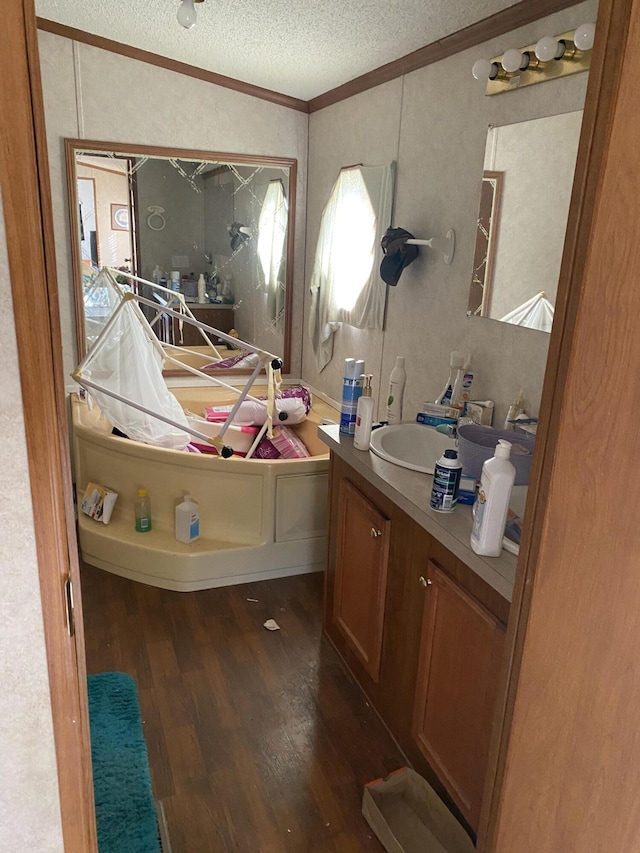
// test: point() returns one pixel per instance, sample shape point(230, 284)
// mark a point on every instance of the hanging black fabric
point(397, 254)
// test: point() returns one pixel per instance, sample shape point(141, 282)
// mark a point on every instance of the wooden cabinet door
point(362, 553)
point(460, 654)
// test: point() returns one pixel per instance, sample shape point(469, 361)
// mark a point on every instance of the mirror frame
point(485, 247)
point(74, 146)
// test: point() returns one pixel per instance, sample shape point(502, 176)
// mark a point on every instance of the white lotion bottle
point(456, 363)
point(364, 415)
point(187, 520)
point(492, 504)
point(397, 381)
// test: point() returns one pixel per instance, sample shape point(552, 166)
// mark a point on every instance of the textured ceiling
point(297, 47)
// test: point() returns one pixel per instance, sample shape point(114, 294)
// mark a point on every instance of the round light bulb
point(584, 35)
point(187, 14)
point(549, 48)
point(514, 60)
point(484, 70)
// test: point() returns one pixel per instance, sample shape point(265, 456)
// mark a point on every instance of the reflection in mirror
point(179, 218)
point(524, 204)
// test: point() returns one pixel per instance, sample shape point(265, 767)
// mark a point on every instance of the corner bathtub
point(259, 519)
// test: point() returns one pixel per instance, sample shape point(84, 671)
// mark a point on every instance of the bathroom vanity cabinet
point(218, 316)
point(418, 628)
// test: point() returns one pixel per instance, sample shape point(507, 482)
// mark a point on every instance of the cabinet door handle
point(425, 582)
point(375, 533)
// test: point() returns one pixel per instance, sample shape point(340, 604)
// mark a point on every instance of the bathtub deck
point(259, 519)
point(257, 741)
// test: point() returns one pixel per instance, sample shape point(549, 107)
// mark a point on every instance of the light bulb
point(549, 48)
point(484, 70)
point(584, 35)
point(515, 60)
point(187, 14)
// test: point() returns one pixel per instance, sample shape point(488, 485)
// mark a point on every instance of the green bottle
point(143, 512)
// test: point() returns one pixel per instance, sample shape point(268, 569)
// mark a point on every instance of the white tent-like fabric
point(535, 313)
point(122, 372)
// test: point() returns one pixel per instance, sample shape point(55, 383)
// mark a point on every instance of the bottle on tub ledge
point(142, 508)
point(187, 520)
point(397, 381)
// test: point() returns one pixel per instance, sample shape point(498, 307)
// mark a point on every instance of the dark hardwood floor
point(258, 741)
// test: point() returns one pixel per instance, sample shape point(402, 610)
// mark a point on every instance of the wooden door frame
point(25, 186)
point(600, 104)
point(26, 193)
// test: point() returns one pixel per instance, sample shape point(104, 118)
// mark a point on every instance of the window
point(345, 285)
point(272, 230)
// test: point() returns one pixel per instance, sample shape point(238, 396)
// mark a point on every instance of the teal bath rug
point(125, 810)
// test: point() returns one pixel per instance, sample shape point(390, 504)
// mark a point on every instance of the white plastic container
point(492, 504)
point(456, 363)
point(514, 410)
point(202, 290)
point(187, 520)
point(397, 381)
point(364, 416)
point(461, 391)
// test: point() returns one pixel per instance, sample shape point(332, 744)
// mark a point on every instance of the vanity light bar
point(549, 58)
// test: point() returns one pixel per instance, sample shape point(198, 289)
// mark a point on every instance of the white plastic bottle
point(202, 289)
point(397, 381)
point(461, 391)
point(514, 410)
point(364, 415)
point(187, 520)
point(456, 363)
point(492, 504)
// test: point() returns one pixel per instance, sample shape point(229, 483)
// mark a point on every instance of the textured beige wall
point(93, 94)
point(434, 122)
point(29, 802)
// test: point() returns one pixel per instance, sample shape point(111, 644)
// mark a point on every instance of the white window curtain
point(345, 285)
point(272, 230)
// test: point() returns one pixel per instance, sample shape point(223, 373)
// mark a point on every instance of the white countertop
point(411, 491)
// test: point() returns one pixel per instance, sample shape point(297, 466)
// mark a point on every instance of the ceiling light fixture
point(549, 58)
point(515, 60)
point(549, 48)
point(584, 36)
point(187, 13)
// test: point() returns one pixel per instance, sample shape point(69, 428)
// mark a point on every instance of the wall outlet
point(179, 261)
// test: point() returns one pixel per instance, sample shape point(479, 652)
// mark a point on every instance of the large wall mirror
point(171, 216)
point(524, 205)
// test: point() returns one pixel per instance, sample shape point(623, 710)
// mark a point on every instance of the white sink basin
point(411, 445)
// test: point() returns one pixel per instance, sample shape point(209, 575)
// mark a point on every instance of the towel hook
point(446, 244)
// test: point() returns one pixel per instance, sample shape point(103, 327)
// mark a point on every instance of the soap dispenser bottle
point(364, 415)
